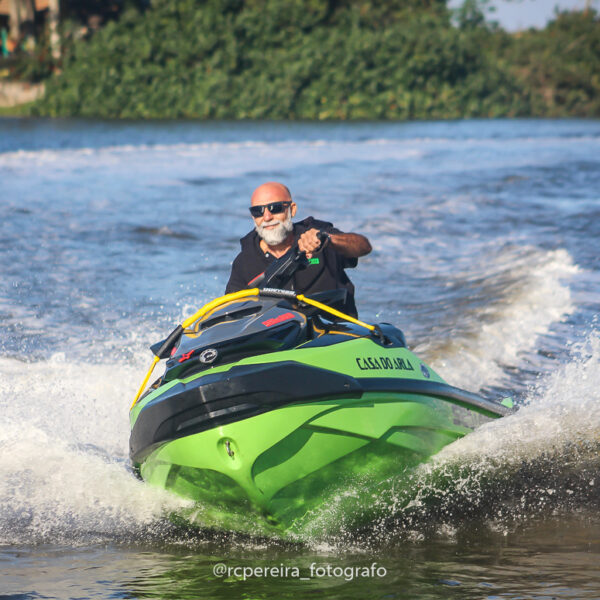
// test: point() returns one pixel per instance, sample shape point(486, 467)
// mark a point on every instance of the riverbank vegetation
point(326, 59)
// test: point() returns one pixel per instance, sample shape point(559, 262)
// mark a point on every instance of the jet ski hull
point(279, 433)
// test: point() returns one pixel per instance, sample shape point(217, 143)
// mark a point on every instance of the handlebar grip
point(324, 238)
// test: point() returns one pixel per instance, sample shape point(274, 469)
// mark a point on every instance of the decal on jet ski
point(207, 356)
point(186, 356)
point(255, 278)
point(314, 261)
point(425, 371)
point(366, 363)
point(280, 319)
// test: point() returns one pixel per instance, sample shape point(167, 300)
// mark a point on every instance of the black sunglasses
point(274, 208)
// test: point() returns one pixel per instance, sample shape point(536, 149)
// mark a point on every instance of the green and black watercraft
point(271, 399)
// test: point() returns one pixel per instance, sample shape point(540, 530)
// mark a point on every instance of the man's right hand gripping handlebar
point(312, 241)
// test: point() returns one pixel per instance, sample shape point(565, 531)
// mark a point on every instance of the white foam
point(562, 410)
point(247, 154)
point(55, 490)
point(68, 399)
point(52, 155)
point(533, 293)
point(64, 464)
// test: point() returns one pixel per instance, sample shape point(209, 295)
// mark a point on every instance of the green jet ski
point(272, 401)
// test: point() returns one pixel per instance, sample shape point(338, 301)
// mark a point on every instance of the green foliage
point(324, 59)
point(559, 68)
point(470, 15)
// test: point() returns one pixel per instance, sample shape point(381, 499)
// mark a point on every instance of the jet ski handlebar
point(280, 271)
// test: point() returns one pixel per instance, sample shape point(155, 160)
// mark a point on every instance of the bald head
point(276, 227)
point(271, 191)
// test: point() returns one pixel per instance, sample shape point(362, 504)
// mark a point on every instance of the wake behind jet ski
point(271, 399)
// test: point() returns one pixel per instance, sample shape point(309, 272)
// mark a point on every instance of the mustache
point(271, 224)
point(278, 224)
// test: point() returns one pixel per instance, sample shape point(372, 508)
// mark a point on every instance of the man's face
point(275, 227)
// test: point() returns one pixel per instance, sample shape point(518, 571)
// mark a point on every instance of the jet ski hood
point(234, 331)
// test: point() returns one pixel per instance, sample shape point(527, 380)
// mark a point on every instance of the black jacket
point(326, 271)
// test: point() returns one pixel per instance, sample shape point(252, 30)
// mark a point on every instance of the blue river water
point(486, 254)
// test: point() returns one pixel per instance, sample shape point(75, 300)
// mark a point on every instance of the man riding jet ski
point(272, 209)
point(273, 401)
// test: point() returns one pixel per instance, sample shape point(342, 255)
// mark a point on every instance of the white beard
point(275, 235)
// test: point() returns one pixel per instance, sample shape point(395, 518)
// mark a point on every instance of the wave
point(55, 491)
point(64, 467)
point(54, 154)
point(501, 307)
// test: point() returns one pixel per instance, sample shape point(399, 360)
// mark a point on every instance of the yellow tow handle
point(334, 312)
point(197, 315)
point(217, 302)
point(137, 396)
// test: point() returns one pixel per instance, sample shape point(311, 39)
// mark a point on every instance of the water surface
point(485, 237)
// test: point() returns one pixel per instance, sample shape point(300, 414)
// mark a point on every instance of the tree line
point(325, 59)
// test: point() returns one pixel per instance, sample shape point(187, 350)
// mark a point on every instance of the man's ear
point(293, 209)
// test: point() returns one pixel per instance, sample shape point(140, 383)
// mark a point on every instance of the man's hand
point(352, 245)
point(309, 242)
